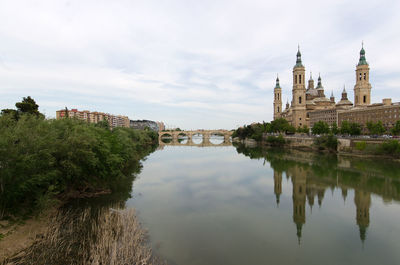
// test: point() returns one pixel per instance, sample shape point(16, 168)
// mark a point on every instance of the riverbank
point(80, 235)
point(344, 146)
point(47, 163)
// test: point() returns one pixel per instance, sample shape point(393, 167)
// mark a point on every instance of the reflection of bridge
point(206, 134)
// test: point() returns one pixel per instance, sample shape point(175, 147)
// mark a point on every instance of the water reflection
point(312, 175)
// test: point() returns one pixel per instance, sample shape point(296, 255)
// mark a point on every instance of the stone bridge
point(206, 134)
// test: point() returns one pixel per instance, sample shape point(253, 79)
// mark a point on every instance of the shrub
point(276, 140)
point(391, 147)
point(361, 145)
point(328, 142)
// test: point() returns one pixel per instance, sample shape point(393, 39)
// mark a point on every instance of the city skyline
point(192, 65)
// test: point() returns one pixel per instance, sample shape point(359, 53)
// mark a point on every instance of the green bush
point(328, 142)
point(361, 145)
point(391, 147)
point(276, 140)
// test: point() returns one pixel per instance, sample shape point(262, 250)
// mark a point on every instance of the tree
point(345, 127)
point(303, 129)
point(355, 128)
point(376, 128)
point(28, 105)
point(12, 112)
point(280, 125)
point(334, 128)
point(320, 127)
point(396, 129)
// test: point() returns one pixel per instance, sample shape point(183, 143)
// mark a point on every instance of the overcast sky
point(192, 64)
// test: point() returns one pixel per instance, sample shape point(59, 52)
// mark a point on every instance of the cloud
point(194, 64)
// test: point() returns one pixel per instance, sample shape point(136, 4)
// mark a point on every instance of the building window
point(365, 99)
point(365, 76)
point(299, 100)
point(360, 76)
point(278, 109)
point(295, 79)
point(299, 79)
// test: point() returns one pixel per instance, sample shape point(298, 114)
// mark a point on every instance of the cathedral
point(310, 101)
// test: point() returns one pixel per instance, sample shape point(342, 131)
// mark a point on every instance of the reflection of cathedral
point(299, 200)
point(277, 185)
point(362, 200)
point(304, 190)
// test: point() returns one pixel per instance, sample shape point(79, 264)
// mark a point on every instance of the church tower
point(299, 93)
point(362, 89)
point(277, 100)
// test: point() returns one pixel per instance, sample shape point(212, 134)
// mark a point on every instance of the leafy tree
point(320, 127)
point(12, 112)
point(396, 129)
point(303, 129)
point(334, 128)
point(345, 128)
point(280, 125)
point(376, 128)
point(28, 105)
point(355, 128)
point(103, 124)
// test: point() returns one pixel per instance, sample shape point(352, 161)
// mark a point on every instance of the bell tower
point(362, 89)
point(277, 100)
point(299, 93)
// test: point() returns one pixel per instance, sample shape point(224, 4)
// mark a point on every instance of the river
point(227, 205)
point(235, 205)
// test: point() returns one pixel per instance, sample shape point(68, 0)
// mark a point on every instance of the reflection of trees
point(312, 174)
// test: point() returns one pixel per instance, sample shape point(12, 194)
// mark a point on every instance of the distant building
point(94, 117)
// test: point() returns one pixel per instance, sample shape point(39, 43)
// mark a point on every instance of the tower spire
point(298, 58)
point(277, 82)
point(362, 60)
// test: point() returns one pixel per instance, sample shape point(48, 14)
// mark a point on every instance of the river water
point(237, 205)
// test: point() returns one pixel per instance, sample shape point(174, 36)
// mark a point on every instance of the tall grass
point(91, 236)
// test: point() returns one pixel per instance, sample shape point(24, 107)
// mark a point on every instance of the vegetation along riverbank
point(46, 162)
point(322, 137)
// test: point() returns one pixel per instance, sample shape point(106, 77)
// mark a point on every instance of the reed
point(91, 236)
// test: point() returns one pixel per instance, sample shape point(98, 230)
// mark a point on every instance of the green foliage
point(391, 147)
point(303, 129)
point(320, 127)
point(42, 158)
point(350, 128)
point(281, 125)
point(361, 145)
point(376, 128)
point(328, 142)
point(334, 129)
point(26, 106)
point(103, 124)
point(276, 140)
point(355, 128)
point(396, 129)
